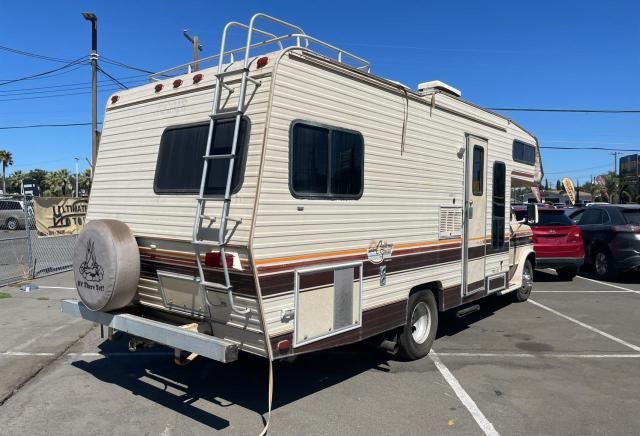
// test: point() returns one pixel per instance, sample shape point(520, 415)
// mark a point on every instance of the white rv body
point(318, 271)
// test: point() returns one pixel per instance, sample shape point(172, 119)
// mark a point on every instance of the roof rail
point(297, 38)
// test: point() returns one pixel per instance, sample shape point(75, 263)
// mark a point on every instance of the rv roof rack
point(297, 38)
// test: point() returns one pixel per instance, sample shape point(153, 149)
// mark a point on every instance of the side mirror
point(532, 213)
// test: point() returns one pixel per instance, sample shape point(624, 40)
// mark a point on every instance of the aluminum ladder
point(203, 245)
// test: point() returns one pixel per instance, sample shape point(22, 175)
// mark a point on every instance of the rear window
point(553, 218)
point(524, 153)
point(631, 216)
point(180, 159)
point(10, 205)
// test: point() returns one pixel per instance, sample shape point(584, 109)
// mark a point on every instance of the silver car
point(12, 215)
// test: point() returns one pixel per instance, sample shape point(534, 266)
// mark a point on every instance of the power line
point(584, 111)
point(104, 84)
point(123, 65)
point(33, 55)
point(551, 147)
point(68, 94)
point(44, 73)
point(33, 126)
point(113, 79)
point(71, 86)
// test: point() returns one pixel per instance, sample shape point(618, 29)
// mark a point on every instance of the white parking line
point(582, 292)
point(587, 326)
point(464, 397)
point(544, 355)
point(609, 284)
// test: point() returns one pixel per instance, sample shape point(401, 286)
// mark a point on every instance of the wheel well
point(532, 258)
point(435, 287)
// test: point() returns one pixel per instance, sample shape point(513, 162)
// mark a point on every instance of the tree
point(15, 180)
point(59, 183)
point(84, 181)
point(546, 184)
point(558, 185)
point(39, 177)
point(609, 191)
point(7, 159)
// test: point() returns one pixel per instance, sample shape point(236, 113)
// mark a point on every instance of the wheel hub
point(420, 323)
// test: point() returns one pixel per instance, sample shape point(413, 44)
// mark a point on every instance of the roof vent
point(437, 85)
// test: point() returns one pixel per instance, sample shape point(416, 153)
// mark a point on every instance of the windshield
point(631, 216)
point(553, 218)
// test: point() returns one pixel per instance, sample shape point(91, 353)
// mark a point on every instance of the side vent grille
point(450, 222)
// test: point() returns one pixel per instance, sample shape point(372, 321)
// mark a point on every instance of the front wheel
point(603, 264)
point(522, 294)
point(420, 328)
point(12, 224)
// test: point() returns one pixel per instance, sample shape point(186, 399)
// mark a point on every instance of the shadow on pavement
point(450, 325)
point(242, 383)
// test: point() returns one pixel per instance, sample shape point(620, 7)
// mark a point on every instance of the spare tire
point(106, 265)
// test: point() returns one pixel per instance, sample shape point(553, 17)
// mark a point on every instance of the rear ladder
point(203, 245)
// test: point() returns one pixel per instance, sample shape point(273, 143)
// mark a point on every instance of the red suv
point(557, 241)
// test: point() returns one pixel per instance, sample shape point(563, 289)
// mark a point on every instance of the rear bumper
point(156, 331)
point(559, 262)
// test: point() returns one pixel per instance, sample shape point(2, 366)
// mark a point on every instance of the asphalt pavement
point(565, 363)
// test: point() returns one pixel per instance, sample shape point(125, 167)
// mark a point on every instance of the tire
point(522, 294)
point(603, 264)
point(12, 224)
point(419, 331)
point(567, 273)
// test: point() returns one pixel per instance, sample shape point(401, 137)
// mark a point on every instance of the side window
point(591, 216)
point(498, 206)
point(606, 219)
point(477, 172)
point(325, 162)
point(524, 153)
point(180, 159)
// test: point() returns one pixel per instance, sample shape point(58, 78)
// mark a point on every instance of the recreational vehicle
point(288, 200)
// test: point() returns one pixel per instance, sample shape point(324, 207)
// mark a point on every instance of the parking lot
point(567, 363)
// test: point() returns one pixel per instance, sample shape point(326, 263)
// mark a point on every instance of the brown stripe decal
point(374, 321)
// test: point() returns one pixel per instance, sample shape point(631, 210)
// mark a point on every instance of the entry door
point(475, 222)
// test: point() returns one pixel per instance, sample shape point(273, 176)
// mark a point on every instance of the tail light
point(215, 260)
point(575, 234)
point(627, 228)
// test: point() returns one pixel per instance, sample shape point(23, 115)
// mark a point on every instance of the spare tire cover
point(106, 265)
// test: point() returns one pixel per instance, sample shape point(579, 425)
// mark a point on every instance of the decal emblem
point(90, 270)
point(379, 251)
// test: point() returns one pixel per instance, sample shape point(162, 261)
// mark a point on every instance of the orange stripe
point(330, 254)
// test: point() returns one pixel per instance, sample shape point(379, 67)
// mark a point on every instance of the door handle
point(470, 212)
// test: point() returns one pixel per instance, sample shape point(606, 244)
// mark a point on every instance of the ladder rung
point(226, 114)
point(231, 72)
point(254, 81)
point(218, 286)
point(220, 156)
point(208, 217)
point(205, 243)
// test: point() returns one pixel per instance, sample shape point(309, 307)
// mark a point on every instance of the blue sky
point(558, 54)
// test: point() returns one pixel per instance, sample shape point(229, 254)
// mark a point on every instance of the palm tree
point(15, 180)
point(7, 159)
point(84, 181)
point(609, 191)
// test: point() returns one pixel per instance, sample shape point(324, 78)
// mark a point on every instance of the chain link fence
point(23, 254)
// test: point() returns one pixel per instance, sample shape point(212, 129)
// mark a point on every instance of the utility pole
point(615, 161)
point(77, 192)
point(196, 48)
point(90, 16)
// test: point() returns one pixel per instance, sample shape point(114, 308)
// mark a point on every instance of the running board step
point(468, 310)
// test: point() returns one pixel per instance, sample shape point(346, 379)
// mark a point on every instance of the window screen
point(477, 173)
point(498, 206)
point(180, 159)
point(524, 153)
point(326, 162)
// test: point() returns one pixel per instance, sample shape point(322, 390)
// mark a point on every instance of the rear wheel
point(420, 328)
point(567, 273)
point(522, 294)
point(603, 264)
point(12, 224)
